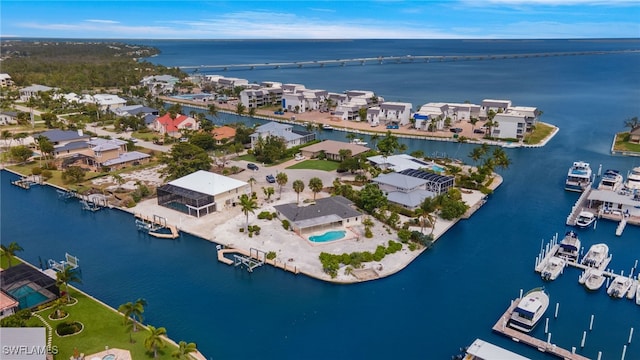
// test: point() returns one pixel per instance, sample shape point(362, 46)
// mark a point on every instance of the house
point(398, 162)
point(331, 149)
point(5, 80)
point(223, 134)
point(290, 136)
point(634, 135)
point(159, 84)
point(28, 285)
point(395, 112)
point(494, 105)
point(98, 153)
point(166, 125)
point(33, 90)
point(404, 190)
point(8, 305)
point(293, 102)
point(509, 125)
point(135, 110)
point(63, 137)
point(335, 212)
point(106, 102)
point(436, 183)
point(8, 117)
point(201, 193)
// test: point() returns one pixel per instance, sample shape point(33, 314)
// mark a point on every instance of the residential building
point(8, 305)
point(33, 90)
point(331, 149)
point(8, 117)
point(398, 162)
point(290, 136)
point(135, 110)
point(201, 193)
point(106, 102)
point(509, 125)
point(634, 135)
point(335, 212)
point(395, 112)
point(223, 134)
point(495, 105)
point(404, 190)
point(159, 84)
point(292, 88)
point(5, 80)
point(166, 125)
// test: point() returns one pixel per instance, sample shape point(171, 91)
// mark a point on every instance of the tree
point(248, 205)
point(213, 110)
point(44, 145)
point(183, 350)
point(270, 149)
point(362, 114)
point(374, 139)
point(7, 135)
point(154, 341)
point(371, 197)
point(203, 140)
point(632, 123)
point(133, 311)
point(315, 185)
point(281, 179)
point(240, 109)
point(252, 111)
point(66, 276)
point(389, 144)
point(298, 187)
point(268, 191)
point(118, 179)
point(9, 252)
point(500, 158)
point(73, 175)
point(184, 159)
point(20, 153)
point(252, 181)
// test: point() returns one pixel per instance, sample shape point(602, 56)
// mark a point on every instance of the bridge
point(406, 59)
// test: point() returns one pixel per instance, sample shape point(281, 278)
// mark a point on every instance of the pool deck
point(120, 354)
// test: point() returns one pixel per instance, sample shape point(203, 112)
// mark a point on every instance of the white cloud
point(551, 2)
point(102, 21)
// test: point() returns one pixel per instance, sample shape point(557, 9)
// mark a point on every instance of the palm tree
point(281, 179)
point(252, 111)
point(315, 184)
point(154, 341)
point(183, 350)
point(248, 205)
point(58, 309)
point(420, 214)
point(240, 109)
point(131, 311)
point(252, 181)
point(500, 158)
point(213, 110)
point(298, 187)
point(66, 276)
point(350, 136)
point(374, 139)
point(10, 251)
point(119, 180)
point(268, 191)
point(630, 123)
point(6, 135)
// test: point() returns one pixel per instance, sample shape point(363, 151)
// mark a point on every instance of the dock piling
point(630, 336)
point(624, 352)
point(599, 355)
point(546, 326)
point(584, 337)
point(591, 323)
point(549, 338)
point(557, 308)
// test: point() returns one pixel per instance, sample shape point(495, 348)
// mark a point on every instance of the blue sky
point(426, 19)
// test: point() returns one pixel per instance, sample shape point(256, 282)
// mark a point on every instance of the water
point(328, 236)
point(443, 300)
point(27, 296)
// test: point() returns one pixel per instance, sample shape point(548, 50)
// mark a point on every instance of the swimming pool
point(27, 296)
point(328, 236)
point(109, 357)
point(438, 169)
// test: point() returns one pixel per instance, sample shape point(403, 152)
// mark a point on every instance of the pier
point(251, 259)
point(154, 226)
point(27, 181)
point(517, 336)
point(380, 60)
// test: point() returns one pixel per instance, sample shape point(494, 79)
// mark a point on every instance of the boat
point(529, 310)
point(578, 177)
point(633, 179)
point(619, 286)
point(553, 268)
point(569, 247)
point(638, 291)
point(585, 219)
point(596, 255)
point(611, 180)
point(482, 350)
point(633, 289)
point(358, 142)
point(327, 127)
point(592, 279)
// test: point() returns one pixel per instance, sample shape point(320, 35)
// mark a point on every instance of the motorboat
point(593, 279)
point(529, 310)
point(359, 142)
point(569, 247)
point(553, 268)
point(578, 177)
point(638, 291)
point(585, 219)
point(596, 255)
point(633, 289)
point(611, 180)
point(481, 349)
point(619, 286)
point(633, 179)
point(327, 127)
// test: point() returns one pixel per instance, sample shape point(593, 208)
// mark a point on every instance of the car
point(133, 140)
point(271, 179)
point(299, 157)
point(252, 166)
point(393, 126)
point(478, 131)
point(456, 130)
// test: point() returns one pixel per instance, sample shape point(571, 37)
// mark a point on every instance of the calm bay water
point(449, 295)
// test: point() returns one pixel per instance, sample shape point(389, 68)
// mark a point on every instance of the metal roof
point(421, 174)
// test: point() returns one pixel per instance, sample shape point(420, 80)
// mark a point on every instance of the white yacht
point(578, 177)
point(530, 310)
point(592, 279)
point(619, 286)
point(327, 127)
point(585, 219)
point(633, 289)
point(633, 179)
point(569, 247)
point(359, 142)
point(611, 180)
point(638, 291)
point(596, 255)
point(553, 268)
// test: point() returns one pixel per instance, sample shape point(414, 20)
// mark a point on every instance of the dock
point(27, 181)
point(155, 226)
point(251, 259)
point(517, 336)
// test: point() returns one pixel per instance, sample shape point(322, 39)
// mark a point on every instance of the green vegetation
point(184, 159)
point(621, 143)
point(325, 165)
point(540, 132)
point(331, 263)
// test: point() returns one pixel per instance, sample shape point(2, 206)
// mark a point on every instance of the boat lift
point(255, 259)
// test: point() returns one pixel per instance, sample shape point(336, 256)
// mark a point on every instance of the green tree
point(183, 350)
point(66, 276)
point(45, 146)
point(315, 185)
point(362, 114)
point(184, 159)
point(500, 158)
point(298, 187)
point(118, 179)
point(252, 111)
point(154, 341)
point(371, 197)
point(270, 149)
point(252, 181)
point(240, 109)
point(632, 123)
point(6, 135)
point(203, 140)
point(132, 311)
point(73, 175)
point(268, 191)
point(9, 252)
point(247, 205)
point(213, 110)
point(281, 179)
point(20, 153)
point(389, 144)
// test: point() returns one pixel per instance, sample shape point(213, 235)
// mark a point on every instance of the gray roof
point(57, 135)
point(150, 118)
point(126, 157)
point(74, 145)
point(324, 210)
point(9, 113)
point(612, 197)
point(399, 180)
point(142, 110)
point(411, 199)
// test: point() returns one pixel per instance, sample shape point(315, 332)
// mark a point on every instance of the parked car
point(252, 166)
point(456, 130)
point(271, 179)
point(299, 157)
point(479, 131)
point(393, 126)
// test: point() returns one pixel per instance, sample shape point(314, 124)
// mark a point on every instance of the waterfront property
point(331, 149)
point(404, 190)
point(201, 193)
point(29, 286)
point(332, 213)
point(172, 126)
point(286, 132)
point(8, 305)
point(397, 162)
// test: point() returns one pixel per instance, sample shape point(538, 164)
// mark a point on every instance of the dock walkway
point(159, 223)
point(543, 346)
point(254, 255)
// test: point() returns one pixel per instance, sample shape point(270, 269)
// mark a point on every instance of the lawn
point(325, 165)
point(622, 143)
point(541, 131)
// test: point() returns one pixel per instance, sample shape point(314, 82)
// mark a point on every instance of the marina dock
point(27, 181)
point(154, 225)
point(251, 259)
point(517, 336)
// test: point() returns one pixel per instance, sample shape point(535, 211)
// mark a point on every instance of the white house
point(8, 117)
point(33, 90)
point(404, 190)
point(285, 131)
point(107, 101)
point(510, 125)
point(495, 105)
point(159, 84)
point(5, 80)
point(293, 102)
point(395, 112)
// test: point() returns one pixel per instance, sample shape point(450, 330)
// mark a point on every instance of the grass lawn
point(622, 143)
point(541, 132)
point(325, 165)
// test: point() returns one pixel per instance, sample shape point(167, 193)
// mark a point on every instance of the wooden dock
point(255, 256)
point(543, 346)
point(159, 223)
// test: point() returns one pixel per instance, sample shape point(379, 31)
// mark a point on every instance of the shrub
point(47, 174)
point(241, 229)
point(68, 328)
point(285, 224)
point(380, 253)
point(265, 215)
point(36, 171)
point(368, 233)
point(271, 255)
point(393, 247)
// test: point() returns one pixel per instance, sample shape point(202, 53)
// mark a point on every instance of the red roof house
point(167, 125)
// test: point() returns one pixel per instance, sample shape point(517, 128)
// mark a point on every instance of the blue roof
point(57, 135)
